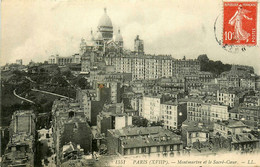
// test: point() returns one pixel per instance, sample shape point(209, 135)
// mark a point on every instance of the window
point(132, 151)
point(138, 151)
point(158, 149)
point(164, 148)
point(143, 150)
point(178, 147)
point(171, 147)
point(125, 151)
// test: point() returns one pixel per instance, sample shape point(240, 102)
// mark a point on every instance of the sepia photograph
point(130, 83)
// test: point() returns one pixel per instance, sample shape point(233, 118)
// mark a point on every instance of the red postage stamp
point(240, 23)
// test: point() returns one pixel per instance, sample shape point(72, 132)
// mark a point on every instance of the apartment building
point(173, 114)
point(20, 151)
point(229, 97)
point(69, 124)
point(205, 111)
point(250, 115)
point(218, 112)
point(112, 117)
point(183, 67)
point(143, 140)
point(229, 127)
point(193, 133)
point(152, 107)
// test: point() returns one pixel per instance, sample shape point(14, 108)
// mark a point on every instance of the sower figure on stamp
point(236, 21)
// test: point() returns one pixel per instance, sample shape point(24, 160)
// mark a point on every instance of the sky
point(36, 29)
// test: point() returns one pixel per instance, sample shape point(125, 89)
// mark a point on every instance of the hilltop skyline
point(36, 30)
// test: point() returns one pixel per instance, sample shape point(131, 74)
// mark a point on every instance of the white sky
point(35, 29)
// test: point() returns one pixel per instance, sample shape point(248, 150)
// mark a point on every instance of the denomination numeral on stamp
point(228, 35)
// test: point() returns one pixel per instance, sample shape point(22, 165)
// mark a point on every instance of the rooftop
point(69, 147)
point(155, 95)
point(233, 110)
point(205, 72)
point(151, 141)
point(23, 112)
point(242, 106)
point(231, 123)
point(175, 103)
point(235, 91)
point(244, 137)
point(133, 131)
point(192, 126)
point(21, 139)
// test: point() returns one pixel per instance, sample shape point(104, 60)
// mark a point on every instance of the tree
point(81, 82)
point(215, 67)
point(58, 79)
point(67, 74)
point(203, 57)
point(140, 121)
point(159, 123)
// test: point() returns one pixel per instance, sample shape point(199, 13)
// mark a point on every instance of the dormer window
point(71, 114)
point(76, 126)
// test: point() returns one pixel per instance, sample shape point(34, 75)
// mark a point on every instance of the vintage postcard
point(130, 83)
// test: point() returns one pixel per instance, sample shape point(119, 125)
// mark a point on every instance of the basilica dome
point(105, 21)
point(98, 36)
point(118, 37)
point(91, 37)
point(105, 26)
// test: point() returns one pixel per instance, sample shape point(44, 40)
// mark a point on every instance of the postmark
point(218, 27)
point(239, 23)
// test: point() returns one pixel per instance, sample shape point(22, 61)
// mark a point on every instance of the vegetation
point(4, 140)
point(140, 121)
point(216, 67)
point(221, 143)
point(159, 123)
point(81, 82)
point(7, 112)
point(67, 74)
point(22, 83)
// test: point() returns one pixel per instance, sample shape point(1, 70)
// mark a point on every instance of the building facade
point(69, 124)
point(206, 111)
point(61, 61)
point(20, 150)
point(143, 140)
point(152, 108)
point(173, 114)
point(185, 67)
point(230, 98)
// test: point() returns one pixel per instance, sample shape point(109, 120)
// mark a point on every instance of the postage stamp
point(240, 23)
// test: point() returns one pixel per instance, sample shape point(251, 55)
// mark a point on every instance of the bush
point(140, 121)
